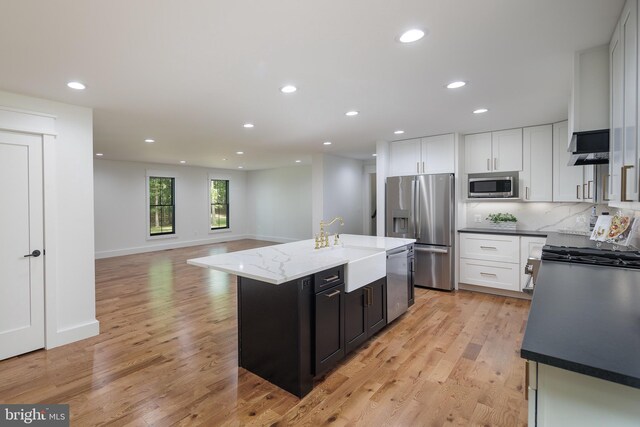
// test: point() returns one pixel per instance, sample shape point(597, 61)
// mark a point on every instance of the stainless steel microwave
point(493, 186)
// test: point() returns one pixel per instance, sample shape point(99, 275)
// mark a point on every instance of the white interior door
point(21, 244)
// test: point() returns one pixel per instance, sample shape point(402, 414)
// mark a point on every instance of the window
point(162, 206)
point(219, 198)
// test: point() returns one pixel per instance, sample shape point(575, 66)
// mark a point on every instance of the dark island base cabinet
point(365, 313)
point(290, 333)
point(274, 332)
point(329, 328)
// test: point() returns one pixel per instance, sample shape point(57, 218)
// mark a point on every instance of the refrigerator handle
point(413, 205)
point(416, 217)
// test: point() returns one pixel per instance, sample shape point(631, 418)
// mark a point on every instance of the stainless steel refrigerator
point(422, 207)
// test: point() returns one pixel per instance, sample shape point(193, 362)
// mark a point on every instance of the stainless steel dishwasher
point(397, 282)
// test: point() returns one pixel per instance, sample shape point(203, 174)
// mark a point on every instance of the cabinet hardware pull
point(331, 278)
point(333, 294)
point(488, 274)
point(589, 195)
point(526, 193)
point(605, 188)
point(495, 163)
point(417, 167)
point(369, 297)
point(526, 380)
point(583, 186)
point(422, 167)
point(623, 183)
point(488, 164)
point(488, 247)
point(578, 191)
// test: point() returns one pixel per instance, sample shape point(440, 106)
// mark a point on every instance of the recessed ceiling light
point(149, 140)
point(480, 111)
point(351, 113)
point(76, 85)
point(411, 36)
point(224, 159)
point(326, 143)
point(399, 132)
point(248, 125)
point(288, 89)
point(298, 161)
point(456, 85)
point(99, 154)
point(183, 161)
point(239, 152)
point(374, 154)
point(240, 167)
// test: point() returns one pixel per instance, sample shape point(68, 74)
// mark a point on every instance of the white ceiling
point(190, 73)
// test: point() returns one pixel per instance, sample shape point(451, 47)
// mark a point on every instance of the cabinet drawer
point(491, 274)
point(490, 247)
point(328, 278)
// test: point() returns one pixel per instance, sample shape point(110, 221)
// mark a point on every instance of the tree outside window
point(161, 206)
point(219, 198)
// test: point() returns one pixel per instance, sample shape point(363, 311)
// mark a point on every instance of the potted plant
point(503, 220)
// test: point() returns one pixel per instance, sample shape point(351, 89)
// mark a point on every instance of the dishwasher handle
point(402, 253)
point(432, 250)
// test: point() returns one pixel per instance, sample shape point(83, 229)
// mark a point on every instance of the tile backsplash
point(536, 216)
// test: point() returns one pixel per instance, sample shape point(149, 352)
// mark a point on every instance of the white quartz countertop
point(289, 261)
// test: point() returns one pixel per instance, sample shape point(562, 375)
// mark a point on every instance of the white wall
point(68, 207)
point(342, 192)
point(121, 207)
point(279, 204)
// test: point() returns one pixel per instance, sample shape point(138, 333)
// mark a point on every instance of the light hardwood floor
point(167, 355)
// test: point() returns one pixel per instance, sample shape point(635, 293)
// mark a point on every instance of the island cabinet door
point(329, 328)
point(355, 319)
point(376, 306)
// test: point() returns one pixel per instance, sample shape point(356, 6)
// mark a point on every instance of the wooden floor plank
point(167, 355)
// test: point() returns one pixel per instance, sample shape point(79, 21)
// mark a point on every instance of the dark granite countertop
point(586, 319)
point(516, 232)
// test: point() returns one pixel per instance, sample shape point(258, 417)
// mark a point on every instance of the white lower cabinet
point(559, 398)
point(495, 260)
point(500, 275)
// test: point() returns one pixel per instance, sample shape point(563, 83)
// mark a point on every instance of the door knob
point(36, 253)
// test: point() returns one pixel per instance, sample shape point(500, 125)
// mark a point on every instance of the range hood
point(589, 148)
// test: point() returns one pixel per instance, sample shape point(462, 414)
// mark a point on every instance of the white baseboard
point(493, 291)
point(73, 334)
point(171, 245)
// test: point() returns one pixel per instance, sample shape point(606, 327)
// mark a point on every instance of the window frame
point(160, 174)
point(211, 204)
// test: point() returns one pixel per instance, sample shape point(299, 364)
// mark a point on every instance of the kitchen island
point(301, 309)
point(582, 342)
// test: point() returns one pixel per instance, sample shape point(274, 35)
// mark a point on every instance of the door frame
point(43, 125)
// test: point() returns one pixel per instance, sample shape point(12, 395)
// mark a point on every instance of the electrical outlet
point(477, 218)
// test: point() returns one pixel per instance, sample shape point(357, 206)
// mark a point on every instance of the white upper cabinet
point(438, 154)
point(629, 32)
point(536, 183)
point(404, 157)
point(433, 154)
point(507, 150)
point(617, 104)
point(499, 151)
point(477, 153)
point(567, 180)
point(623, 143)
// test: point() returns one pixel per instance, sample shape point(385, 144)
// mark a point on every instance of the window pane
point(161, 205)
point(219, 216)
